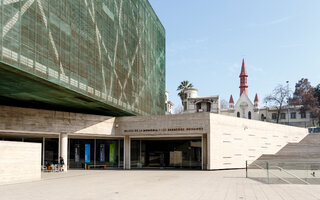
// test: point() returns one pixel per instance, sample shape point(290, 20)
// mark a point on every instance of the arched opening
point(238, 114)
point(249, 115)
point(262, 117)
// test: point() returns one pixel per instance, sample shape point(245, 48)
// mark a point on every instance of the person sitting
point(61, 163)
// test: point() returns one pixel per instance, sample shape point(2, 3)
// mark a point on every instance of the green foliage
point(317, 92)
point(182, 87)
point(305, 96)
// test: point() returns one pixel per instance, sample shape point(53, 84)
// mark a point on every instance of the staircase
point(295, 163)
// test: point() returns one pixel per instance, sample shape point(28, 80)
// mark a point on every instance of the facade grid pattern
point(110, 50)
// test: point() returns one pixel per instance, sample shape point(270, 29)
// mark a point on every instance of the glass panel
point(103, 153)
point(166, 153)
point(51, 151)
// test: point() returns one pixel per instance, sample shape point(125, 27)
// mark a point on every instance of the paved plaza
point(153, 185)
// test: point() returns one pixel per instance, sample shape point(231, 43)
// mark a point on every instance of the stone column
point(127, 158)
point(64, 149)
point(204, 152)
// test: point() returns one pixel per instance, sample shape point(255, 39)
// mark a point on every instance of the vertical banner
point(77, 153)
point(87, 153)
point(112, 153)
point(102, 153)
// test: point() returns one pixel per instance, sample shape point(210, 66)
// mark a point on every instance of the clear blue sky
point(207, 39)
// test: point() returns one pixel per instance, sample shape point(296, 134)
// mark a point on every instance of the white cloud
point(272, 22)
point(280, 20)
point(291, 45)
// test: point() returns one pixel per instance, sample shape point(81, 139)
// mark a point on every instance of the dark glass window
point(198, 107)
point(283, 115)
point(303, 115)
point(208, 107)
point(293, 115)
point(274, 115)
point(166, 154)
point(249, 115)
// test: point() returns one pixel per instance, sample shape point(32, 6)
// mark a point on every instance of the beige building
point(190, 141)
point(169, 104)
point(192, 103)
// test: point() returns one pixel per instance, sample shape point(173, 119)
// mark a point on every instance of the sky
point(207, 39)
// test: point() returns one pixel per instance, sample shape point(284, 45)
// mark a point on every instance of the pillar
point(127, 158)
point(204, 152)
point(64, 149)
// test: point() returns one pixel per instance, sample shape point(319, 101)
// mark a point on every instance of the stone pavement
point(154, 185)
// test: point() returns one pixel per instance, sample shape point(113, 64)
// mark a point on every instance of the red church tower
point(243, 79)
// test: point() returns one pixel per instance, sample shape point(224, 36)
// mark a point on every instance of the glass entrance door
point(169, 154)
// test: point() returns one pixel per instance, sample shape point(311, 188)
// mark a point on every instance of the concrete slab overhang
point(21, 88)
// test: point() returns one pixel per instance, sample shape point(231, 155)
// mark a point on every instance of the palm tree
point(182, 87)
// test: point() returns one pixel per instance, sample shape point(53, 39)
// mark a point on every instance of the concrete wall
point(47, 121)
point(19, 162)
point(230, 140)
point(235, 140)
point(185, 124)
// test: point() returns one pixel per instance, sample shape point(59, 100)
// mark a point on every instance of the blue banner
point(102, 153)
point(87, 153)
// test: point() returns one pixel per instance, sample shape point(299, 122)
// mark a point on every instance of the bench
point(104, 166)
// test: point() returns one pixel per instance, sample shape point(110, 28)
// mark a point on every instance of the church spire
point(256, 99)
point(243, 79)
point(231, 103)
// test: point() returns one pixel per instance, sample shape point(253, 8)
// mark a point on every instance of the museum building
point(86, 80)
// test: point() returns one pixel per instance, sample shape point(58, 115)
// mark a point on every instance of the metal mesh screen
point(110, 50)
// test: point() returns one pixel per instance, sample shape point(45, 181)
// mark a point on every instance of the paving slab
point(154, 185)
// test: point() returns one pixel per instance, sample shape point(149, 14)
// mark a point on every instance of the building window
point(262, 117)
point(208, 107)
point(249, 115)
point(293, 115)
point(238, 114)
point(199, 107)
point(274, 116)
point(303, 115)
point(283, 115)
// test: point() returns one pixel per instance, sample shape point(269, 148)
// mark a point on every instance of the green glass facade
point(111, 51)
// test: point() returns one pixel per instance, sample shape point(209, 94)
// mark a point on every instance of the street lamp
point(288, 103)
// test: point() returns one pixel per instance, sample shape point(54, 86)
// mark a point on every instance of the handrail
point(273, 174)
point(281, 169)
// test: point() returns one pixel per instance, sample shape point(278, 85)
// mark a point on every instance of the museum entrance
point(95, 153)
point(166, 153)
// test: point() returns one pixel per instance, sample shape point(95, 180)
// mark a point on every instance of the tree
point(224, 104)
point(305, 95)
point(178, 110)
point(317, 92)
point(317, 95)
point(278, 98)
point(182, 87)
